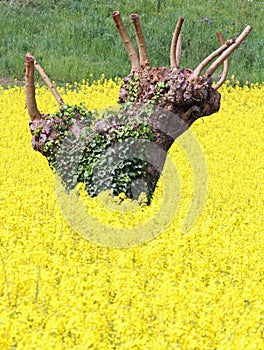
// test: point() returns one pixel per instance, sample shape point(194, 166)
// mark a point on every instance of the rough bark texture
point(174, 92)
point(169, 91)
point(30, 89)
point(177, 103)
point(170, 99)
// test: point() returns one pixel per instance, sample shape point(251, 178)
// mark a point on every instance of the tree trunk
point(157, 105)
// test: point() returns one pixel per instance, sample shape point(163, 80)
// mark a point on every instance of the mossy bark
point(167, 100)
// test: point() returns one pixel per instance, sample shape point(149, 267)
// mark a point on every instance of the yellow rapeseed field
point(196, 289)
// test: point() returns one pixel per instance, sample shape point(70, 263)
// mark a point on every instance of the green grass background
point(72, 39)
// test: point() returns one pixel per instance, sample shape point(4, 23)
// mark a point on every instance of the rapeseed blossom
point(201, 289)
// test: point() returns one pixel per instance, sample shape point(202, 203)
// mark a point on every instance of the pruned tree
point(157, 105)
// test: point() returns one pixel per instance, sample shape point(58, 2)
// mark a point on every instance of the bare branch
point(133, 55)
point(174, 43)
point(143, 54)
point(209, 58)
point(30, 89)
point(178, 51)
point(225, 54)
point(225, 69)
point(49, 83)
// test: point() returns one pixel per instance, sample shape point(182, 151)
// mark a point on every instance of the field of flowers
point(200, 289)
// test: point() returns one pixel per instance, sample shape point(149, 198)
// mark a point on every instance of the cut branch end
point(133, 55)
point(143, 54)
point(30, 89)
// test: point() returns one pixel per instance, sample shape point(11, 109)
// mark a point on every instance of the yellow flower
point(197, 290)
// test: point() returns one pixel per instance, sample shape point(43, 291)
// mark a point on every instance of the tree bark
point(168, 100)
point(30, 89)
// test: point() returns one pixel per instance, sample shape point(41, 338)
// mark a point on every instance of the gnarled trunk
point(158, 104)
